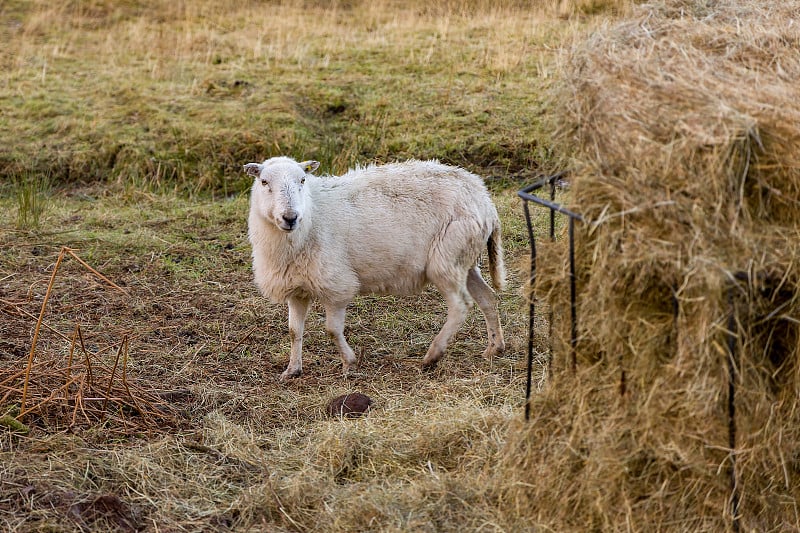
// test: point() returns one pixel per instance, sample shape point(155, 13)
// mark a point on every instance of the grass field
point(176, 94)
point(123, 129)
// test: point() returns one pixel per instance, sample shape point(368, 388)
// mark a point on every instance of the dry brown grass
point(680, 127)
point(571, 8)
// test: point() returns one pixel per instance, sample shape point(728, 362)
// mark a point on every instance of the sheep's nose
point(290, 218)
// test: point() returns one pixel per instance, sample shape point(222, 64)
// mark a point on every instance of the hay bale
point(681, 128)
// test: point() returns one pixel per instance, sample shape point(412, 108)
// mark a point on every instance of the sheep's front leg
point(298, 309)
point(334, 324)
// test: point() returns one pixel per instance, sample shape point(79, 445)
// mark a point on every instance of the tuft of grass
point(32, 191)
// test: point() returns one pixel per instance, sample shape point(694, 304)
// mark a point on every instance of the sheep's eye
point(264, 182)
point(302, 180)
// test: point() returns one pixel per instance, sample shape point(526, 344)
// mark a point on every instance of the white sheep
point(387, 229)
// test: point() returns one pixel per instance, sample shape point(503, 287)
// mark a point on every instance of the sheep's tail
point(497, 266)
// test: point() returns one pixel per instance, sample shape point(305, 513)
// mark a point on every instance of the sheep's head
point(279, 192)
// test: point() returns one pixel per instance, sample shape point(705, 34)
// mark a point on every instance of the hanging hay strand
point(681, 128)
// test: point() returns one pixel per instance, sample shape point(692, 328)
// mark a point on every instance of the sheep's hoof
point(429, 366)
point(349, 370)
point(291, 374)
point(493, 351)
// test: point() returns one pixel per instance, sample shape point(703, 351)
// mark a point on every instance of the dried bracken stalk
point(36, 332)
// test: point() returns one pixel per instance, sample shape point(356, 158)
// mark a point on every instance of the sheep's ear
point(253, 169)
point(309, 166)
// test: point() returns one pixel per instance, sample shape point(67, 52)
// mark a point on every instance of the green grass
point(157, 97)
point(32, 191)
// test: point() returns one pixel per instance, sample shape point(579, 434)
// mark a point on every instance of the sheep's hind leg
point(457, 308)
point(334, 324)
point(298, 309)
point(487, 302)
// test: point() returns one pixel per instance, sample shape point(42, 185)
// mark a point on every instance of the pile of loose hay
point(681, 127)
